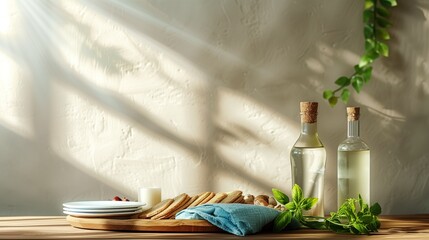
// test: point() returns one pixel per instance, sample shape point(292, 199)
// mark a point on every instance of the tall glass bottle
point(353, 162)
point(308, 158)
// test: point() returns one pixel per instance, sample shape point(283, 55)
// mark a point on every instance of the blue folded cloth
point(238, 219)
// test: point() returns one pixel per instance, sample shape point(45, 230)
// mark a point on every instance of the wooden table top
point(56, 227)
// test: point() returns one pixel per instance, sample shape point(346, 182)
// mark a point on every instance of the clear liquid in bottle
point(308, 167)
point(353, 175)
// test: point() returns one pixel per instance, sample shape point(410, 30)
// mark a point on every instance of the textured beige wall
point(98, 98)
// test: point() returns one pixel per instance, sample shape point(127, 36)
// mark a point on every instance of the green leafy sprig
point(348, 218)
point(354, 216)
point(376, 22)
point(293, 209)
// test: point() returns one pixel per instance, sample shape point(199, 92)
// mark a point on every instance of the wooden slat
point(144, 225)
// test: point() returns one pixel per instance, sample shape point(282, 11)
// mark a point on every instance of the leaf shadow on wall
point(242, 73)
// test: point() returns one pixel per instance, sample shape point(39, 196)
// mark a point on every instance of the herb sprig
point(293, 209)
point(349, 218)
point(354, 216)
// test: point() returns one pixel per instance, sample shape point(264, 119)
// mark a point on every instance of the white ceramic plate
point(103, 205)
point(108, 210)
point(117, 214)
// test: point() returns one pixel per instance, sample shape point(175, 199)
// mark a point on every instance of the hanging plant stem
point(376, 22)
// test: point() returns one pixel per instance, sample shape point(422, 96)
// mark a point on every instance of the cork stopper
point(353, 113)
point(308, 112)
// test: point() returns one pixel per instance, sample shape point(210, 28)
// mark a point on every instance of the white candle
point(150, 196)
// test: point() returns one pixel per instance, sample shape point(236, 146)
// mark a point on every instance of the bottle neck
point(353, 128)
point(309, 128)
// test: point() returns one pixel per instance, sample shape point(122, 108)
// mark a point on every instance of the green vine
point(376, 22)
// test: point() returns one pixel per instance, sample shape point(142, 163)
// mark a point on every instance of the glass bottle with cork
point(353, 162)
point(308, 159)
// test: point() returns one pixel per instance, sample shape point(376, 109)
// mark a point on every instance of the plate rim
point(105, 210)
point(105, 204)
point(76, 214)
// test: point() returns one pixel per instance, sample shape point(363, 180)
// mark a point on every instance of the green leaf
point(357, 85)
point(366, 219)
point(365, 60)
point(375, 209)
point(382, 33)
point(333, 101)
point(369, 4)
point(335, 227)
point(352, 207)
point(280, 196)
point(360, 201)
point(345, 95)
point(366, 74)
point(368, 58)
point(290, 206)
point(372, 54)
point(383, 49)
point(308, 203)
point(314, 222)
point(365, 208)
point(357, 69)
point(383, 22)
point(369, 44)
point(368, 31)
point(298, 214)
point(368, 15)
point(342, 81)
point(282, 220)
point(382, 11)
point(388, 3)
point(354, 230)
point(297, 194)
point(373, 225)
point(360, 228)
point(327, 94)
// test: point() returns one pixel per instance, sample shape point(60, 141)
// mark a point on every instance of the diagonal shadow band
point(125, 108)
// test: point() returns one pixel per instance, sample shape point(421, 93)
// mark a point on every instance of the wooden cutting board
point(143, 225)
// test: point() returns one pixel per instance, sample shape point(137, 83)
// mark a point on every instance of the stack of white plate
point(102, 208)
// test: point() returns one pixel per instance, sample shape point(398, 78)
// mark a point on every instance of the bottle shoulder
point(308, 141)
point(353, 143)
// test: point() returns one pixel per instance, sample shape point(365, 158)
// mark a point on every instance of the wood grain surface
point(57, 227)
point(143, 225)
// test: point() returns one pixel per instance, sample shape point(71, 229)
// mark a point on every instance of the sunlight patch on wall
point(6, 10)
point(315, 65)
point(249, 136)
point(349, 57)
point(13, 108)
point(95, 47)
